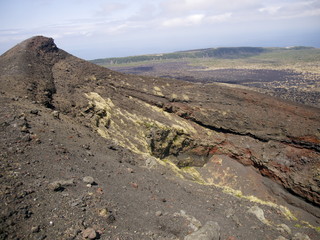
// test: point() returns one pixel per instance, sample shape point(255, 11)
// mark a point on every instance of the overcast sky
point(111, 28)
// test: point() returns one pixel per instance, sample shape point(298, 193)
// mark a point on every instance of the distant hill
point(219, 53)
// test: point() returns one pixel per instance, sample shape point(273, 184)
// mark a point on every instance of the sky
point(92, 29)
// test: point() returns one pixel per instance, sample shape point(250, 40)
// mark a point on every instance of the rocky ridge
point(158, 134)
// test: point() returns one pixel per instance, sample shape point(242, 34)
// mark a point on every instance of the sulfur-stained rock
point(183, 140)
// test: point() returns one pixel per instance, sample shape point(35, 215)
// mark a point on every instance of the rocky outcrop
point(251, 128)
point(172, 120)
point(30, 64)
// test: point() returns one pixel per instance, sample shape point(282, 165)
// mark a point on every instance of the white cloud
point(184, 21)
point(110, 8)
point(270, 10)
point(294, 9)
point(301, 9)
point(108, 20)
point(245, 9)
point(196, 19)
point(145, 12)
point(219, 18)
point(180, 6)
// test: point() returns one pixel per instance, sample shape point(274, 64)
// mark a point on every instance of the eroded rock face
point(184, 122)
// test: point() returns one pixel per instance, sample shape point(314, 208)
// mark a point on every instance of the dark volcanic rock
point(190, 127)
point(30, 64)
point(56, 79)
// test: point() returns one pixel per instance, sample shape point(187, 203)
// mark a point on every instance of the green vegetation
point(249, 53)
point(229, 53)
point(301, 59)
point(296, 59)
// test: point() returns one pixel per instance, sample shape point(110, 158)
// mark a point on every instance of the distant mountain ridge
point(221, 52)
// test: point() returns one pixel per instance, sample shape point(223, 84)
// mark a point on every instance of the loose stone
point(88, 180)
